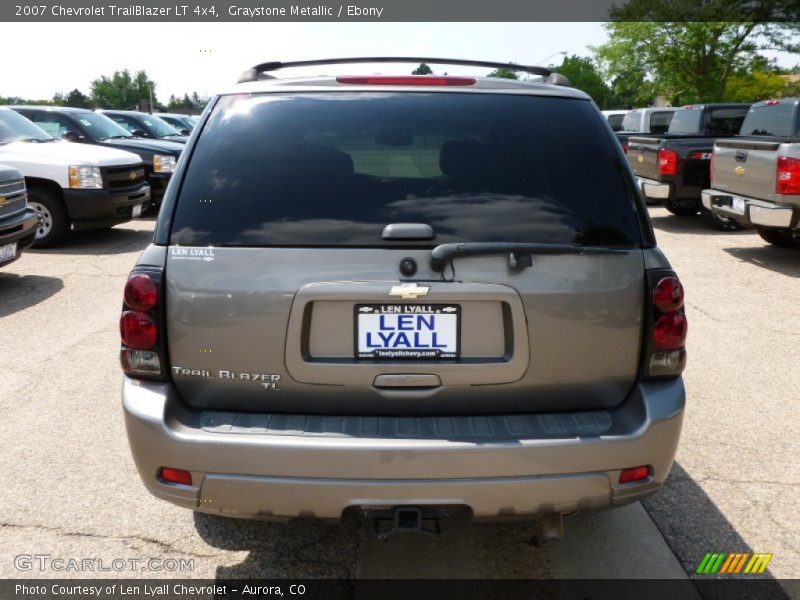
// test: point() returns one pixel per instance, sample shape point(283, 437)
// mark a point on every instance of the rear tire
point(54, 225)
point(682, 207)
point(782, 238)
point(718, 222)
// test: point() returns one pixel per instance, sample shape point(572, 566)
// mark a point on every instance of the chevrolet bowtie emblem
point(132, 175)
point(641, 158)
point(739, 170)
point(2, 200)
point(409, 291)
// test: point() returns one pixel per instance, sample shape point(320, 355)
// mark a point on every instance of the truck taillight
point(142, 353)
point(664, 345)
point(787, 181)
point(667, 162)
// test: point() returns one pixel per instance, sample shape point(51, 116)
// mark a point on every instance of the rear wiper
point(444, 253)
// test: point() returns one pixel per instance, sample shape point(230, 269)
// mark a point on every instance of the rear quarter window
point(334, 169)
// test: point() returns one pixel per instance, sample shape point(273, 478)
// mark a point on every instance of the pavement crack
point(164, 546)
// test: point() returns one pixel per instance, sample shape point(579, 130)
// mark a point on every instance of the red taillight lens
point(668, 295)
point(634, 474)
point(405, 80)
point(138, 330)
point(787, 181)
point(170, 475)
point(669, 331)
point(667, 162)
point(141, 292)
point(625, 148)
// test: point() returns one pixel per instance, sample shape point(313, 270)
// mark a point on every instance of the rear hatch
point(747, 165)
point(287, 292)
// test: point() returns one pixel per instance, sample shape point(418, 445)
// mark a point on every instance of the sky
point(208, 57)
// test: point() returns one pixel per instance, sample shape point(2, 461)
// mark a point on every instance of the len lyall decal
point(727, 563)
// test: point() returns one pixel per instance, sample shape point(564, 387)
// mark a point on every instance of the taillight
point(665, 352)
point(625, 147)
point(667, 162)
point(141, 292)
point(787, 181)
point(142, 353)
point(406, 80)
point(138, 330)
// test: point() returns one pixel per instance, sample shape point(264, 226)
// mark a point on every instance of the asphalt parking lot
point(70, 488)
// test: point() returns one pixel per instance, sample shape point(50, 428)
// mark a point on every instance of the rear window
point(685, 120)
point(336, 168)
point(615, 121)
point(659, 121)
point(631, 122)
point(726, 121)
point(773, 120)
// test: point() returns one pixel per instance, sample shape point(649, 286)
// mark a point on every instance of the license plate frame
point(136, 211)
point(8, 252)
point(737, 205)
point(450, 331)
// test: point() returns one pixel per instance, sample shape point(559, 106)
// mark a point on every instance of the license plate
point(407, 331)
point(137, 211)
point(8, 252)
point(737, 205)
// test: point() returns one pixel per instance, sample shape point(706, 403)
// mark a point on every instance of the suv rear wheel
point(54, 225)
point(783, 238)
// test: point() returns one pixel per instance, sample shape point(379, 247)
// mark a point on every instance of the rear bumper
point(654, 189)
point(251, 472)
point(90, 209)
point(750, 211)
point(19, 229)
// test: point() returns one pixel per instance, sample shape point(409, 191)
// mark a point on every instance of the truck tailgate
point(643, 156)
point(746, 167)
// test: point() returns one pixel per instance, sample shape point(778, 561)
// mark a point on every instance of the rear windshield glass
point(631, 122)
point(773, 120)
point(335, 169)
point(615, 121)
point(659, 121)
point(726, 121)
point(685, 120)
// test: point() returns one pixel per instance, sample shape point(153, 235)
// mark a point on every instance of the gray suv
point(402, 295)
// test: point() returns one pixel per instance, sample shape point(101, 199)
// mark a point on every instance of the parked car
point(428, 311)
point(673, 168)
point(70, 185)
point(183, 123)
point(80, 125)
point(17, 220)
point(755, 177)
point(614, 118)
point(145, 125)
point(639, 121)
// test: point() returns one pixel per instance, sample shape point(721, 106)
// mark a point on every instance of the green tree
point(75, 99)
point(122, 90)
point(689, 58)
point(504, 73)
point(583, 75)
point(756, 85)
point(422, 69)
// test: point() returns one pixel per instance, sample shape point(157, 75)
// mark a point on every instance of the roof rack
point(261, 71)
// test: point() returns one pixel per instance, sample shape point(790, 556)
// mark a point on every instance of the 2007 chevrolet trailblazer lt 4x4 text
point(394, 295)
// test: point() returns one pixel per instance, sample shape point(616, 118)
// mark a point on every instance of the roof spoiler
point(261, 71)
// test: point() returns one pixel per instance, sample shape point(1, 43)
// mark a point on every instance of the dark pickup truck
point(674, 168)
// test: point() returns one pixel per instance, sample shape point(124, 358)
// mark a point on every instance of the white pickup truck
point(72, 186)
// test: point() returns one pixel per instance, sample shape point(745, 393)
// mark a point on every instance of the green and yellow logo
point(730, 564)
